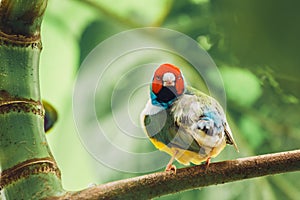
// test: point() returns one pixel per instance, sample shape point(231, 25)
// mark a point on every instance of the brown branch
point(158, 184)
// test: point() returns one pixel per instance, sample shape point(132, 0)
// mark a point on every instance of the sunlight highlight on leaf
point(241, 85)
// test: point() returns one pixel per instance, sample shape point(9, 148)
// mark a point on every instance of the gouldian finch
point(183, 121)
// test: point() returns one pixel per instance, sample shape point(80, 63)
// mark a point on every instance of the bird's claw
point(171, 168)
point(207, 164)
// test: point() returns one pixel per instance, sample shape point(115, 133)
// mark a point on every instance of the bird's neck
point(157, 100)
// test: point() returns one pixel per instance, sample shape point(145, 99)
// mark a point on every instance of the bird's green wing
point(161, 126)
point(221, 117)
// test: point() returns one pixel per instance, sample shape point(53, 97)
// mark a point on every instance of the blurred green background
point(255, 45)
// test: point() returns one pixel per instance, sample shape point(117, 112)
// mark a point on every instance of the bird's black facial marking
point(167, 94)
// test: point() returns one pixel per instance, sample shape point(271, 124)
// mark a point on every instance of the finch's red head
point(168, 76)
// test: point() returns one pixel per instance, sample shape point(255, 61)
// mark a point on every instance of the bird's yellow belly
point(186, 157)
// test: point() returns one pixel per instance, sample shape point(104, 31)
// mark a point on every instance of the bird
point(182, 121)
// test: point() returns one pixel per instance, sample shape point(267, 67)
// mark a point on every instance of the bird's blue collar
point(155, 102)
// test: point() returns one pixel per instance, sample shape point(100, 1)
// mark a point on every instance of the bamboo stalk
point(28, 170)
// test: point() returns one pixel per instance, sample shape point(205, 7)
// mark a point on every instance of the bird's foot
point(207, 163)
point(171, 168)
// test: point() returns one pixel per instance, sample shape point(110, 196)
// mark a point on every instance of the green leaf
point(241, 86)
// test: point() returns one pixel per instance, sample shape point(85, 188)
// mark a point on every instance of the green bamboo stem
point(28, 170)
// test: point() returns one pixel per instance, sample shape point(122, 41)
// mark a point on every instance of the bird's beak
point(169, 83)
point(169, 79)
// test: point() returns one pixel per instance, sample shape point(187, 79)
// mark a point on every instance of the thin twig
point(110, 14)
point(164, 14)
point(162, 183)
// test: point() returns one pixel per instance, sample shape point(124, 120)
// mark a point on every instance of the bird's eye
point(179, 77)
point(157, 78)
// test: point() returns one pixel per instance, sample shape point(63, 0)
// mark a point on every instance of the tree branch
point(112, 15)
point(162, 183)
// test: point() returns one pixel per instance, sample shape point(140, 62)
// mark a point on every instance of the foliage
point(254, 44)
